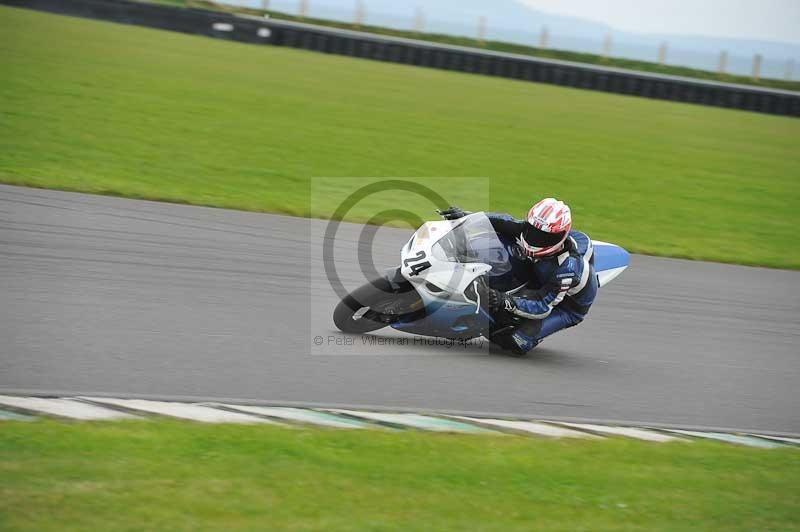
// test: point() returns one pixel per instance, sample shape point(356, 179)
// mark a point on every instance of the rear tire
point(374, 305)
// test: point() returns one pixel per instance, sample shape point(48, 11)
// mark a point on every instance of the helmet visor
point(541, 239)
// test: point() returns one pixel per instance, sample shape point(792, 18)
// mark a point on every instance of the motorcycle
point(435, 291)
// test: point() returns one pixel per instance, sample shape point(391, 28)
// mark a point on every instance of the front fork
point(396, 280)
point(410, 306)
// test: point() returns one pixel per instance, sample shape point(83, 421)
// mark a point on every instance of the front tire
point(375, 305)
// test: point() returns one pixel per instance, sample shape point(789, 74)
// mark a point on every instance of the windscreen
point(474, 240)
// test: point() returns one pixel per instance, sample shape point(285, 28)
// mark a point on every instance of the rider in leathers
point(559, 267)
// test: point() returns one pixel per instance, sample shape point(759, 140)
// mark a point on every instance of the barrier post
point(544, 37)
point(419, 20)
point(607, 46)
point(360, 14)
point(662, 52)
point(756, 67)
point(723, 62)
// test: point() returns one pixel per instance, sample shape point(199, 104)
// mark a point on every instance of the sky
point(747, 19)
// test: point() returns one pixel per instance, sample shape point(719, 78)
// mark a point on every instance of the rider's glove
point(452, 213)
point(496, 301)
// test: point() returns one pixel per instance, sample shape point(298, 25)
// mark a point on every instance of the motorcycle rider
point(557, 264)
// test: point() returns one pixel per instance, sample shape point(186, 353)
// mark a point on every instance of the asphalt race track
point(102, 295)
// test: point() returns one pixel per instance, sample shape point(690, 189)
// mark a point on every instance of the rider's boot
point(519, 340)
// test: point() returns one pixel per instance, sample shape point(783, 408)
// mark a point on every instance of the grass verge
point(106, 108)
point(170, 475)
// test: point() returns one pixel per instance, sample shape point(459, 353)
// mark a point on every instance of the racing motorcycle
point(436, 289)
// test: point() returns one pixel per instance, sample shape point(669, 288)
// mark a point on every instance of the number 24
point(418, 268)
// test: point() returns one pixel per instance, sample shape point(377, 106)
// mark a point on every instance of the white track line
point(628, 432)
point(67, 408)
point(190, 411)
point(532, 427)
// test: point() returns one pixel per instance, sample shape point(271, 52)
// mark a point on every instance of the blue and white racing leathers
point(559, 290)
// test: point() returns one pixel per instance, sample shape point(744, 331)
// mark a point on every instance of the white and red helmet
point(547, 227)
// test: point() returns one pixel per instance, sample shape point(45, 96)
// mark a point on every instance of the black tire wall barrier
point(256, 30)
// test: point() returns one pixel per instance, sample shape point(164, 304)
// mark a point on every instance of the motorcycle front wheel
point(375, 305)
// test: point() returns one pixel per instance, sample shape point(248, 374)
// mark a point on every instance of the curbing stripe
point(13, 416)
point(729, 438)
point(300, 415)
point(416, 421)
point(653, 425)
point(94, 408)
point(628, 432)
point(193, 412)
point(781, 439)
point(531, 427)
point(66, 408)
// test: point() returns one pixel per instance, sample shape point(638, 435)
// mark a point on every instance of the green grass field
point(165, 475)
point(114, 109)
